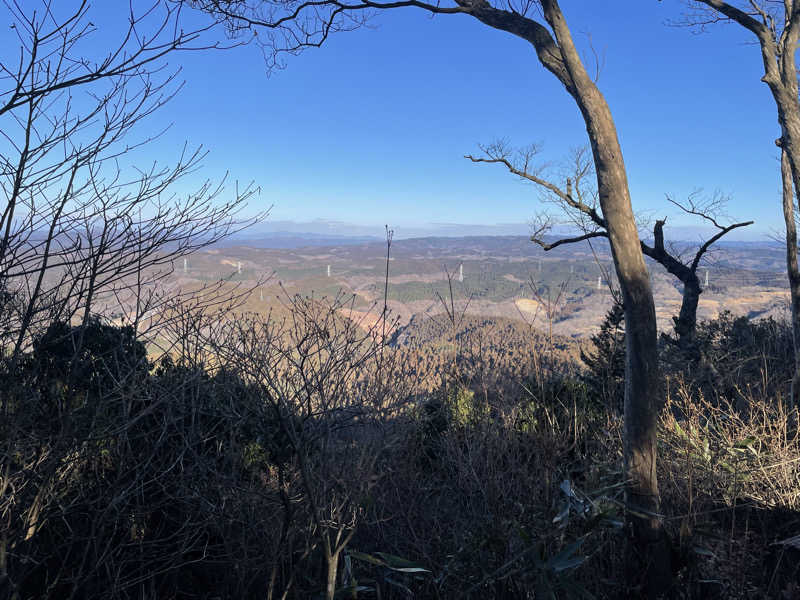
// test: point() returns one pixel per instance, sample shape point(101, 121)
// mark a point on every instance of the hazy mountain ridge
point(341, 230)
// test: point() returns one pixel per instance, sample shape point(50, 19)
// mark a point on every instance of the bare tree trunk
point(780, 75)
point(686, 323)
point(332, 560)
point(792, 269)
point(785, 95)
point(778, 41)
point(643, 398)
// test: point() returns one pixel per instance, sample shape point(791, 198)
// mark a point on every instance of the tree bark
point(686, 323)
point(792, 270)
point(332, 560)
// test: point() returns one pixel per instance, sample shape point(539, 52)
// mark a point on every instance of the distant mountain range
point(292, 239)
point(321, 232)
point(339, 230)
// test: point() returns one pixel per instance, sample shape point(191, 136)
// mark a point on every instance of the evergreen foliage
point(605, 362)
point(94, 357)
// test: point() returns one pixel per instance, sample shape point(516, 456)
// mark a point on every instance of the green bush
point(605, 362)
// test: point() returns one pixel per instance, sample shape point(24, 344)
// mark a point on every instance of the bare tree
point(578, 201)
point(291, 26)
point(775, 24)
point(686, 269)
point(80, 229)
point(331, 389)
point(82, 232)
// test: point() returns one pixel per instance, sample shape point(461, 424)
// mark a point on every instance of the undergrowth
point(309, 463)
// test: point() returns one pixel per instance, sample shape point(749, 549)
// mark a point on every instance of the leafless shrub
point(82, 231)
point(107, 471)
point(333, 393)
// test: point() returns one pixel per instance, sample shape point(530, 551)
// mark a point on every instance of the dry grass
point(730, 483)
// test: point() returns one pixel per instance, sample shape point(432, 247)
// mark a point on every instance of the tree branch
point(496, 155)
point(309, 23)
point(712, 240)
point(571, 240)
point(738, 15)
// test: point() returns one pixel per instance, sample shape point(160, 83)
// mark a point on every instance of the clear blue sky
point(372, 127)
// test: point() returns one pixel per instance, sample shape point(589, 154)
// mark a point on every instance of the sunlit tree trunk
point(642, 384)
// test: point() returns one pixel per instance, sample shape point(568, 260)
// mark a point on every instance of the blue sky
point(372, 127)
